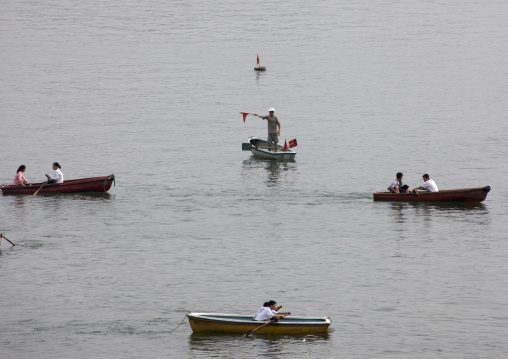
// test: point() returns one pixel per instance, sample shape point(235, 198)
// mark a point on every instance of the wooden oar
point(7, 239)
point(268, 147)
point(256, 329)
point(248, 146)
point(43, 184)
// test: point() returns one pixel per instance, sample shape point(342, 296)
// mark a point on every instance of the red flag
point(258, 60)
point(244, 115)
point(292, 143)
point(285, 146)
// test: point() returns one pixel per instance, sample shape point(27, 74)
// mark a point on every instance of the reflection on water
point(274, 169)
point(96, 196)
point(430, 222)
point(55, 201)
point(19, 201)
point(258, 75)
point(404, 211)
point(238, 346)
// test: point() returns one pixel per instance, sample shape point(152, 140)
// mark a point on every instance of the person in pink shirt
point(20, 179)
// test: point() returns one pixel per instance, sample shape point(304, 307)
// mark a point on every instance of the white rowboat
point(259, 148)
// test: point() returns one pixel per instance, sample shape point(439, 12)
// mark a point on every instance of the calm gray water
point(152, 93)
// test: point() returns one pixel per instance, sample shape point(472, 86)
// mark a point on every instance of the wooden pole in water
point(7, 239)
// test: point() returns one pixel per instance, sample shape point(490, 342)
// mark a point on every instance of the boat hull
point(281, 155)
point(467, 195)
point(241, 324)
point(92, 184)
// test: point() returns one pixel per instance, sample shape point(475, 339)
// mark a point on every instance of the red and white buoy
point(259, 67)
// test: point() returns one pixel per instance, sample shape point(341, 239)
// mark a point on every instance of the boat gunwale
point(423, 192)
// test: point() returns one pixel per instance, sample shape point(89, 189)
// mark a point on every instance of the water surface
point(152, 93)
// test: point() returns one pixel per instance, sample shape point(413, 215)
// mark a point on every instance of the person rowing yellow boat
point(270, 312)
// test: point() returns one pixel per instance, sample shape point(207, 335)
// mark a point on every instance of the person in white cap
point(273, 128)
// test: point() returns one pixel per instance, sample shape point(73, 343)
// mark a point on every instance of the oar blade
point(293, 143)
point(246, 146)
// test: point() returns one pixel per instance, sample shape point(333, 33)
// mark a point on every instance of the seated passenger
point(428, 184)
point(397, 186)
point(57, 176)
point(20, 179)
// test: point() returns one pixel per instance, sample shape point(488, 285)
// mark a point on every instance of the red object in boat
point(92, 184)
point(470, 195)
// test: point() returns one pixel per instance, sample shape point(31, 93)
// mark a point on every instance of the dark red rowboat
point(92, 184)
point(470, 195)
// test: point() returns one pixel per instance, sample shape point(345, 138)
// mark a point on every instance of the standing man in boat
point(428, 185)
point(273, 128)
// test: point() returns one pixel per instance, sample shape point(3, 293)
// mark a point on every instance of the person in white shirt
point(428, 184)
point(270, 312)
point(57, 176)
point(397, 186)
point(265, 305)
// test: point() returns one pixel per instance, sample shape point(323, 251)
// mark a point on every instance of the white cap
point(271, 110)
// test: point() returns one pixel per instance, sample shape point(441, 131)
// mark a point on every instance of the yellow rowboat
point(240, 324)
